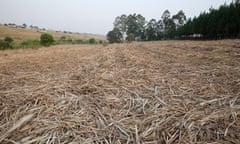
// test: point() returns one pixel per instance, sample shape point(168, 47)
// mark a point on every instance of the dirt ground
point(145, 92)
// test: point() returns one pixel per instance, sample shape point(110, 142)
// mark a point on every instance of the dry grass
point(19, 34)
point(155, 92)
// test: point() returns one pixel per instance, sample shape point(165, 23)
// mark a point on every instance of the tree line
point(220, 23)
point(135, 27)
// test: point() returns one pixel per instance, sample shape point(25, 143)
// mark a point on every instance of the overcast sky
point(93, 16)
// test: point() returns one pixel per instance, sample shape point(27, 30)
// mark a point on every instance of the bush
point(46, 39)
point(3, 45)
point(30, 44)
point(6, 43)
point(92, 41)
point(114, 36)
point(8, 39)
point(79, 41)
point(15, 45)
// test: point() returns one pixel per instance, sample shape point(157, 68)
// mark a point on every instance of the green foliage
point(153, 30)
point(136, 27)
point(6, 43)
point(130, 37)
point(46, 39)
point(64, 40)
point(30, 44)
point(131, 24)
point(92, 41)
point(15, 45)
point(215, 24)
point(8, 39)
point(79, 41)
point(179, 19)
point(114, 36)
point(3, 45)
point(135, 24)
point(169, 25)
point(121, 23)
point(69, 40)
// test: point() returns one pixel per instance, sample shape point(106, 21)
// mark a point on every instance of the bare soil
point(150, 92)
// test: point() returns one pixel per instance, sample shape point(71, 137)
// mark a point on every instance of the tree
point(165, 18)
point(168, 24)
point(121, 23)
point(135, 25)
point(46, 39)
point(153, 30)
point(130, 37)
point(114, 36)
point(132, 24)
point(179, 19)
point(160, 29)
point(223, 22)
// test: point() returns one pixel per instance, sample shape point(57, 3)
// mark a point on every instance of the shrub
point(69, 41)
point(46, 39)
point(92, 41)
point(3, 45)
point(15, 45)
point(24, 44)
point(30, 44)
point(79, 41)
point(8, 39)
point(6, 43)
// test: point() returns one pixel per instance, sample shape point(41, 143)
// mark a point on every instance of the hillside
point(20, 34)
point(152, 92)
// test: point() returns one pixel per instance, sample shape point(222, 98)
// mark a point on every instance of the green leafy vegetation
point(115, 36)
point(30, 44)
point(130, 37)
point(135, 27)
point(92, 41)
point(215, 24)
point(68, 40)
point(8, 39)
point(46, 39)
point(6, 43)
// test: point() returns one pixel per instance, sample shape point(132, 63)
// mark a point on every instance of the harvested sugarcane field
point(139, 92)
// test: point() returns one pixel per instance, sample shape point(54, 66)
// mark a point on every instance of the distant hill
point(20, 33)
